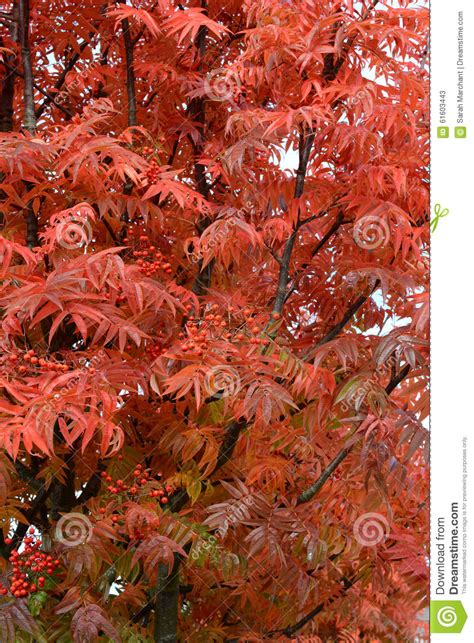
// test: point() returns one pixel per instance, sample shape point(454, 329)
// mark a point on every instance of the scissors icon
point(439, 214)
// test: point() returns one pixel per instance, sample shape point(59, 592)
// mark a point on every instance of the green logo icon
point(439, 213)
point(447, 617)
point(460, 132)
point(443, 132)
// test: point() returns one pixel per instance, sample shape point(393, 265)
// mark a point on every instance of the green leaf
point(36, 602)
point(193, 489)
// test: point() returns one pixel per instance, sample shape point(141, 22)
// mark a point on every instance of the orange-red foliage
point(214, 272)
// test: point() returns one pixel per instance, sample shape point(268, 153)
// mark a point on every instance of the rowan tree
point(215, 245)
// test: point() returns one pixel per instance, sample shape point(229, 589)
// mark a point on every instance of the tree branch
point(8, 82)
point(38, 88)
point(29, 118)
point(350, 312)
point(92, 486)
point(62, 76)
point(131, 93)
point(305, 146)
point(311, 491)
point(27, 475)
point(197, 112)
point(332, 230)
point(332, 67)
point(32, 237)
point(166, 605)
point(233, 432)
point(291, 630)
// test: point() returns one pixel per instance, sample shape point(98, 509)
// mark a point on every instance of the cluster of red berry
point(154, 168)
point(30, 359)
point(155, 350)
point(199, 333)
point(158, 347)
point(252, 328)
point(196, 338)
point(29, 565)
point(135, 228)
point(141, 534)
point(151, 260)
point(142, 477)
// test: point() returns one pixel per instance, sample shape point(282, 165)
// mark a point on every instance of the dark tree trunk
point(166, 604)
point(7, 86)
point(28, 92)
